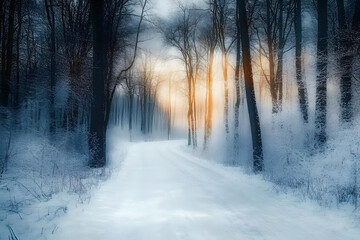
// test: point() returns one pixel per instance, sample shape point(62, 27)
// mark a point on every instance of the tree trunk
point(237, 88)
point(189, 115)
point(346, 49)
point(226, 93)
point(2, 14)
point(169, 111)
point(271, 56)
point(194, 118)
point(321, 81)
point(97, 133)
point(249, 89)
point(51, 21)
point(131, 100)
point(5, 84)
point(18, 39)
point(279, 70)
point(303, 100)
point(209, 99)
point(3, 40)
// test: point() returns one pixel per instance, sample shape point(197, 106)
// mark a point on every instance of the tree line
point(260, 34)
point(63, 62)
point(60, 64)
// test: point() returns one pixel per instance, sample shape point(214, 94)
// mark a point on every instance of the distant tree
point(181, 33)
point(115, 45)
point(118, 15)
point(129, 85)
point(75, 19)
point(222, 12)
point(276, 26)
point(208, 39)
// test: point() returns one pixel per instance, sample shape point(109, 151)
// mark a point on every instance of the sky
point(163, 8)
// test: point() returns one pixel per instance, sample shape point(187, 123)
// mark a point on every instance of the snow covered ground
point(163, 192)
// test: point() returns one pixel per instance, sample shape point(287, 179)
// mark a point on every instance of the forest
point(229, 103)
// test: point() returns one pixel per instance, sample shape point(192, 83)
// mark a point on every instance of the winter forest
point(180, 119)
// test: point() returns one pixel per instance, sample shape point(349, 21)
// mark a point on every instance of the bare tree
point(278, 22)
point(249, 88)
point(75, 19)
point(113, 83)
point(208, 39)
point(223, 22)
point(181, 34)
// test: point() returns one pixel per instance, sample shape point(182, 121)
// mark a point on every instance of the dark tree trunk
point(97, 133)
point(347, 43)
point(18, 39)
point(341, 14)
point(49, 6)
point(356, 18)
point(249, 89)
point(3, 39)
point(321, 81)
point(237, 87)
point(303, 101)
point(5, 84)
point(2, 15)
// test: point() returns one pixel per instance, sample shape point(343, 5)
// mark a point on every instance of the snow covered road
point(163, 192)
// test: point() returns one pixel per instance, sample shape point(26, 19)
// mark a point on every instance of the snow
point(43, 180)
point(162, 191)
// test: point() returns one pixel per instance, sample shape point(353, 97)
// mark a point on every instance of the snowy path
point(162, 192)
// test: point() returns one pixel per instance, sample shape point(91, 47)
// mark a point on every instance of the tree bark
point(97, 133)
point(49, 6)
point(321, 81)
point(237, 88)
point(2, 16)
point(5, 84)
point(303, 100)
point(18, 39)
